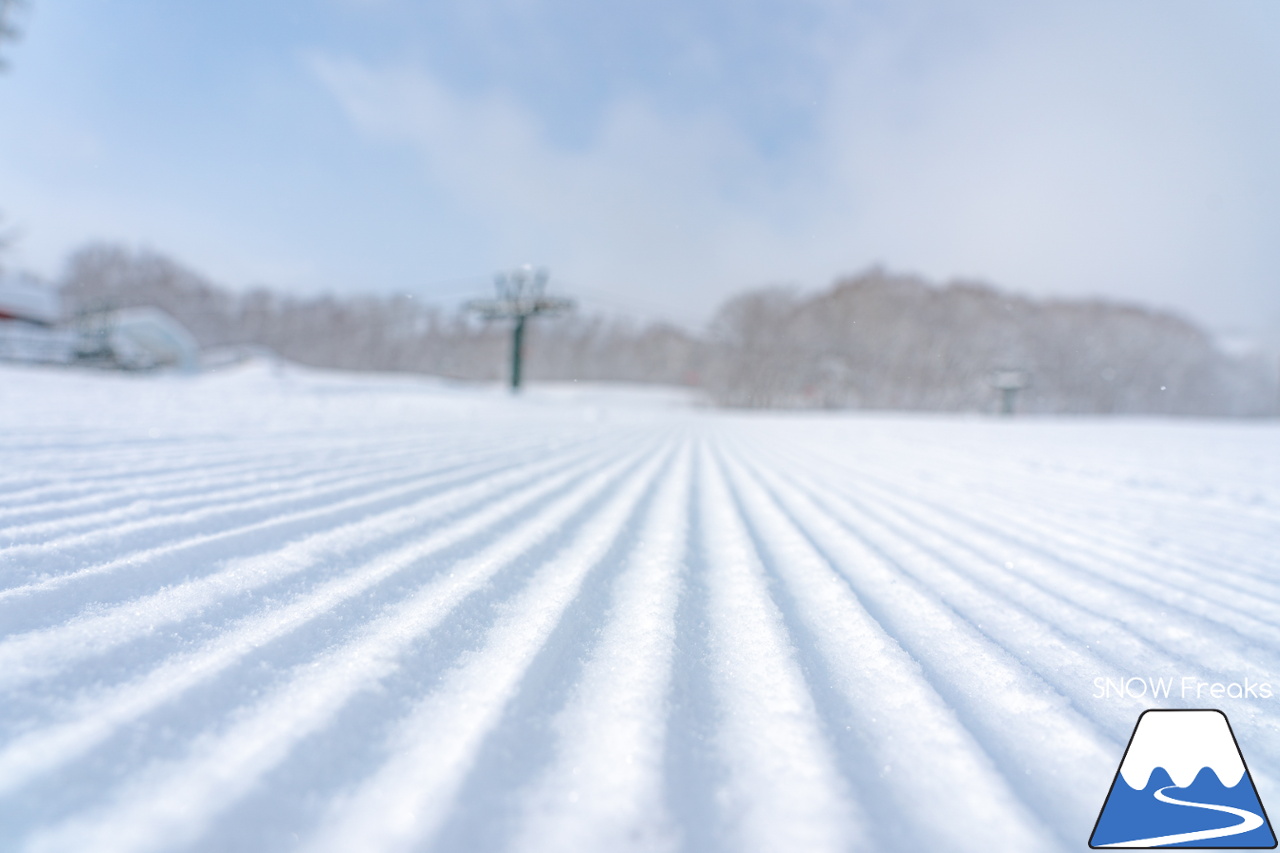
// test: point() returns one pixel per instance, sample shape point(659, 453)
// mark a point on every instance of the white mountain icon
point(1183, 782)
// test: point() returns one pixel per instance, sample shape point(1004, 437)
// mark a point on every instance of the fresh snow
point(269, 608)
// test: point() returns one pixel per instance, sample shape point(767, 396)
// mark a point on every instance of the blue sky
point(658, 156)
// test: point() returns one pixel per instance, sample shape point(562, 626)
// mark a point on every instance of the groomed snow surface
point(273, 609)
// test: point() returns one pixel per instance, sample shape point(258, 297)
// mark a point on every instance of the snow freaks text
point(1185, 687)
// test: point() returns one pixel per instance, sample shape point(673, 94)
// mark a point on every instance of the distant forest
point(876, 340)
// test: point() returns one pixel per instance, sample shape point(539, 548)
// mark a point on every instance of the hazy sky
point(659, 155)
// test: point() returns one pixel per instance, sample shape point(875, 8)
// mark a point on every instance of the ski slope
point(276, 609)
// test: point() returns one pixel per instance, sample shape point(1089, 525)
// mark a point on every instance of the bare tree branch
point(8, 28)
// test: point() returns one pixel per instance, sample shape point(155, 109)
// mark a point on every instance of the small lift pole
point(1009, 382)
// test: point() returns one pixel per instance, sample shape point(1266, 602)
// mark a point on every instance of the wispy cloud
point(1027, 149)
point(664, 152)
point(672, 208)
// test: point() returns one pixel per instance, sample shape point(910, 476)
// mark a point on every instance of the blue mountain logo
point(1183, 783)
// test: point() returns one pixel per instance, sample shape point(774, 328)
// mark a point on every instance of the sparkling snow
point(272, 609)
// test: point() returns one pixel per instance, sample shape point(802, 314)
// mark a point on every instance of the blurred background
point(979, 206)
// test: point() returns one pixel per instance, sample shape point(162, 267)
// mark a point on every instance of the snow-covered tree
point(876, 340)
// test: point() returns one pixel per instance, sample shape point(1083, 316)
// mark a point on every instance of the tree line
point(876, 340)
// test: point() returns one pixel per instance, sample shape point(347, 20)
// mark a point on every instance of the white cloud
point(675, 151)
point(663, 208)
point(1040, 154)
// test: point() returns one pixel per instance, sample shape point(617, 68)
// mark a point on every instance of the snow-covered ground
point(275, 609)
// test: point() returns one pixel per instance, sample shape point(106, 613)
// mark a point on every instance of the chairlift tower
point(521, 295)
